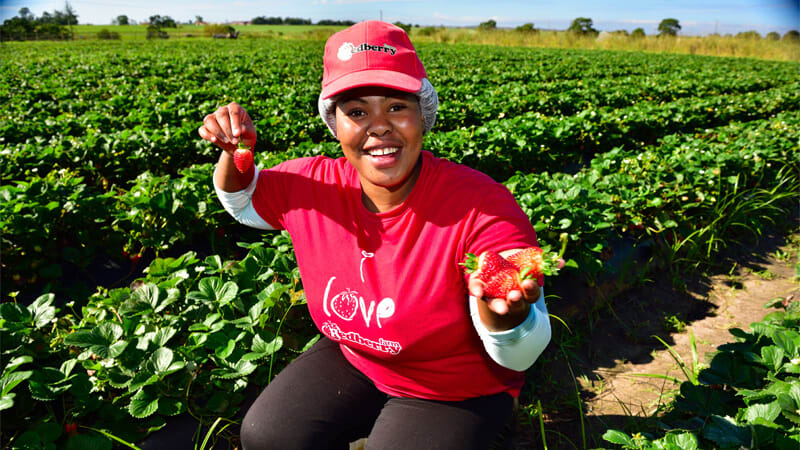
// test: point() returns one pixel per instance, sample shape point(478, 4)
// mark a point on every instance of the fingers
point(530, 290)
point(225, 126)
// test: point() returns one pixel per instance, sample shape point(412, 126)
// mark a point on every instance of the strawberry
point(499, 275)
point(243, 157)
point(533, 262)
point(345, 304)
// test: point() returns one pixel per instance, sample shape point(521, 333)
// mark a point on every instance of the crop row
point(124, 99)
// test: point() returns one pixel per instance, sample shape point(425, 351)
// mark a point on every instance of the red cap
point(371, 53)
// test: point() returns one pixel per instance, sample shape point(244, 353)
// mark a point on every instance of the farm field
point(130, 299)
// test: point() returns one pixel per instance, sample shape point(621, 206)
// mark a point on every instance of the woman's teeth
point(383, 151)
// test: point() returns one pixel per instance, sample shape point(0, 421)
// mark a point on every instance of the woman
point(409, 358)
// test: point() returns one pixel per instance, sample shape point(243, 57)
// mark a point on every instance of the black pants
point(320, 401)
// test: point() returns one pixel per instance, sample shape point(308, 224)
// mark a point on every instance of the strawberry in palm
point(533, 262)
point(498, 274)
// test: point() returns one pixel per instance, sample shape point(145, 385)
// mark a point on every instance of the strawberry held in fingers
point(499, 276)
point(243, 157)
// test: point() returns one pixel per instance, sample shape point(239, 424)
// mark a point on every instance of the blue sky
point(696, 17)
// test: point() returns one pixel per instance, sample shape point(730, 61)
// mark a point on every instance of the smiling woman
point(410, 345)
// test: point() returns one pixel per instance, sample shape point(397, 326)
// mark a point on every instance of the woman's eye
point(397, 107)
point(355, 113)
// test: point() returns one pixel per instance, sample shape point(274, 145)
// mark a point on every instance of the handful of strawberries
point(503, 275)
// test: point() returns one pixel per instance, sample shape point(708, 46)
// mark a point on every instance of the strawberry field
point(131, 299)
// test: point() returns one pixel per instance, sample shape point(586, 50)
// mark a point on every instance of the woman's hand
point(499, 314)
point(225, 128)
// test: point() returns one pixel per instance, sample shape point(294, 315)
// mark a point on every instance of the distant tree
point(163, 21)
point(405, 26)
point(527, 28)
point(104, 34)
point(773, 36)
point(69, 15)
point(669, 27)
point(583, 26)
point(296, 21)
point(329, 22)
point(198, 19)
point(157, 22)
point(488, 25)
point(638, 33)
point(261, 20)
point(121, 20)
point(751, 34)
point(26, 14)
point(791, 35)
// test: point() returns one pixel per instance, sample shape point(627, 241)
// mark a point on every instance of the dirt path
point(612, 356)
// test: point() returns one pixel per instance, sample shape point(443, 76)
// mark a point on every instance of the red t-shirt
point(388, 286)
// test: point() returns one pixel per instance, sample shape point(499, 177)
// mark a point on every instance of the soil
point(609, 355)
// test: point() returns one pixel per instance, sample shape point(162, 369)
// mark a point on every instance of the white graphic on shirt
point(385, 310)
point(381, 345)
point(348, 302)
point(361, 266)
point(345, 305)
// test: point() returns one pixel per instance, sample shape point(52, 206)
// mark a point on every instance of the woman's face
point(380, 130)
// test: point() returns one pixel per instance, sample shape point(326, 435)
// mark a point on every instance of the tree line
point(670, 27)
point(48, 26)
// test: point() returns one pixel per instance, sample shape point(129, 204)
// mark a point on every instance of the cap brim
point(385, 78)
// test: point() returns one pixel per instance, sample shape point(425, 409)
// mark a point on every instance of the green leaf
point(788, 340)
point(6, 401)
point(109, 331)
point(171, 406)
point(619, 438)
point(161, 359)
point(143, 404)
point(43, 311)
point(89, 442)
point(227, 350)
point(266, 348)
point(12, 312)
point(726, 433)
point(116, 349)
point(682, 440)
point(84, 338)
point(772, 356)
point(768, 412)
point(163, 335)
point(11, 380)
point(16, 362)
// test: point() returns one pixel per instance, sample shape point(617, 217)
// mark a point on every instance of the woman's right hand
point(228, 125)
point(225, 128)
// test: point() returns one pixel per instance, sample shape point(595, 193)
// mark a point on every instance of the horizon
point(732, 17)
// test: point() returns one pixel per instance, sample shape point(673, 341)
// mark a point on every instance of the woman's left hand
point(500, 314)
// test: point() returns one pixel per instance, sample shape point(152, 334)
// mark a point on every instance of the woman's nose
point(379, 125)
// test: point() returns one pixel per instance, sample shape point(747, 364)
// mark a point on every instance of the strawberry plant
point(747, 397)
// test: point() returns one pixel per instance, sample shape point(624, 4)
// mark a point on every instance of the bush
point(791, 35)
point(211, 30)
point(488, 25)
point(428, 31)
point(108, 35)
point(527, 28)
point(155, 32)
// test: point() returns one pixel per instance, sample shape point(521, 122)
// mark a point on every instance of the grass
point(781, 50)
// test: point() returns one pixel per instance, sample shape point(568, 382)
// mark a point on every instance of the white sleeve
point(239, 204)
point(517, 348)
